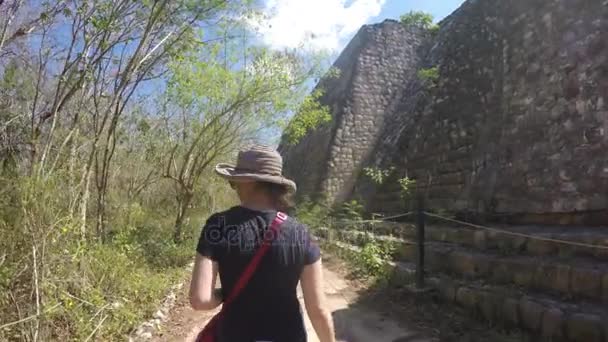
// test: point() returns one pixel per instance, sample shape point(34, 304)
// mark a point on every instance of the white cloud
point(321, 24)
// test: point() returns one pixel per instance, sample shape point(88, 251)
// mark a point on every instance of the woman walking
point(260, 255)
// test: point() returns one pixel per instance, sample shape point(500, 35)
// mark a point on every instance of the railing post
point(420, 243)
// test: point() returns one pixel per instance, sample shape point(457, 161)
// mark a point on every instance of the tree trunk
point(102, 186)
point(183, 201)
point(85, 194)
point(101, 214)
point(84, 202)
point(72, 175)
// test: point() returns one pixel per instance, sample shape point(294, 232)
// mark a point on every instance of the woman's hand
point(203, 295)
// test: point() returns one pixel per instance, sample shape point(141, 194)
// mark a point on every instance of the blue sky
point(439, 8)
point(329, 24)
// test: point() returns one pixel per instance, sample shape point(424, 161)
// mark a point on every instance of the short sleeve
point(312, 253)
point(209, 243)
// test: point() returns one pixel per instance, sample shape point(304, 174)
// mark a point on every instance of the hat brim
point(230, 173)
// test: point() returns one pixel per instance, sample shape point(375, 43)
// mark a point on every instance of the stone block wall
point(554, 139)
point(516, 125)
point(372, 73)
point(379, 83)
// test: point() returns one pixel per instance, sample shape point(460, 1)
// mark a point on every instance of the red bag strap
point(269, 236)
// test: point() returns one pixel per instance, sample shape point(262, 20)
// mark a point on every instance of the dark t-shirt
point(267, 309)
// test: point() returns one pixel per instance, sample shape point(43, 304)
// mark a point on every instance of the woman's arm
point(314, 300)
point(202, 285)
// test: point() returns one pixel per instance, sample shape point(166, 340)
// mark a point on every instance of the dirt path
point(354, 323)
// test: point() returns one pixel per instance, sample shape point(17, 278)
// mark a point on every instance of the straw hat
point(258, 163)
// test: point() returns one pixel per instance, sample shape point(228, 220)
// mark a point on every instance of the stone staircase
point(555, 291)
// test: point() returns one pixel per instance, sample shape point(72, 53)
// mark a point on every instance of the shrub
point(84, 286)
point(377, 175)
point(310, 115)
point(349, 211)
point(312, 213)
point(417, 18)
point(434, 30)
point(371, 261)
point(429, 76)
point(406, 184)
point(113, 290)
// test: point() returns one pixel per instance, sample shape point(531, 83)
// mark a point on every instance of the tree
point(419, 19)
point(11, 30)
point(111, 49)
point(112, 113)
point(243, 94)
point(309, 116)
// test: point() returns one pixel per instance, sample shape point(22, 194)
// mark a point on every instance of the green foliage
point(310, 115)
point(158, 248)
point(316, 214)
point(378, 176)
point(406, 185)
point(429, 76)
point(372, 259)
point(91, 183)
point(349, 211)
point(116, 287)
point(247, 90)
point(86, 283)
point(332, 73)
point(434, 30)
point(312, 213)
point(418, 18)
point(257, 86)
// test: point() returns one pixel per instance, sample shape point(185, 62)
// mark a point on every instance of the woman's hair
point(279, 194)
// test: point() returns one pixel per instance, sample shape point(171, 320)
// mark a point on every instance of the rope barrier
point(507, 232)
point(496, 230)
point(383, 219)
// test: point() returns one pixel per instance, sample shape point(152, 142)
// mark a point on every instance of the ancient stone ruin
point(516, 124)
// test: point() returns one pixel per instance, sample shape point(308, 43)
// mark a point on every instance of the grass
point(96, 291)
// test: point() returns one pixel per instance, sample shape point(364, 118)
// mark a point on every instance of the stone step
point(572, 277)
point(512, 244)
point(548, 317)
